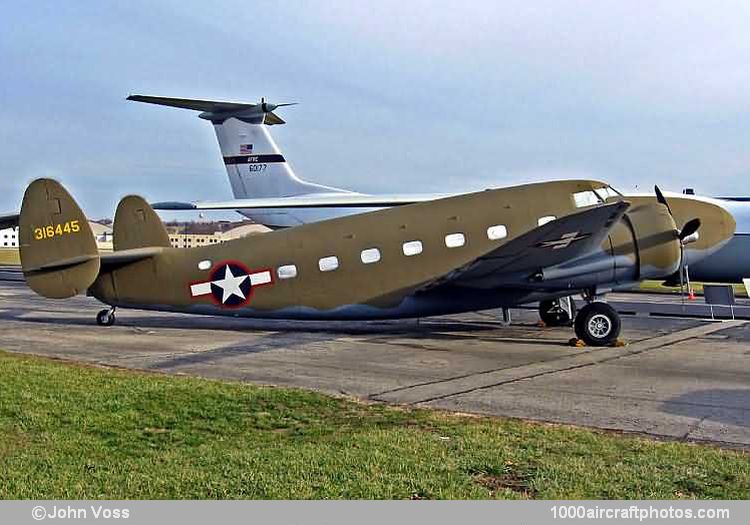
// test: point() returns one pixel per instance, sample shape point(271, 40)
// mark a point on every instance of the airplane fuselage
point(397, 262)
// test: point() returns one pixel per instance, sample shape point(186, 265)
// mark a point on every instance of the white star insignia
point(231, 285)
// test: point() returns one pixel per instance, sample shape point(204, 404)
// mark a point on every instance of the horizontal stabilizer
point(207, 106)
point(60, 264)
point(113, 260)
point(213, 106)
point(338, 200)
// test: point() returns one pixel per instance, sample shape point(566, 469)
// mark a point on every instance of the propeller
point(689, 229)
point(684, 235)
point(662, 200)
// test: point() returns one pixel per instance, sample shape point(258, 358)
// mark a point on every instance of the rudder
point(58, 250)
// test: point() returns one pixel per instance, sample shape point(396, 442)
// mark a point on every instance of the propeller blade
point(287, 104)
point(690, 228)
point(660, 198)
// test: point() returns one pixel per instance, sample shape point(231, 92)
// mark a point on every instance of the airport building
point(193, 234)
point(9, 238)
point(103, 234)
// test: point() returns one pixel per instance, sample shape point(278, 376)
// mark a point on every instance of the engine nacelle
point(656, 242)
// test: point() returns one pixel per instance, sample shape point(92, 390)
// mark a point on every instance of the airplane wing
point(8, 220)
point(554, 243)
point(334, 200)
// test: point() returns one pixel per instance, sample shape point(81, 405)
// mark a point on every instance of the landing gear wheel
point(598, 324)
point(105, 318)
point(553, 313)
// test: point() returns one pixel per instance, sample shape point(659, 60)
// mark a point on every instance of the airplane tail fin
point(254, 163)
point(138, 226)
point(59, 255)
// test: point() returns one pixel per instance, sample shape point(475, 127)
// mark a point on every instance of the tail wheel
point(598, 324)
point(105, 318)
point(553, 313)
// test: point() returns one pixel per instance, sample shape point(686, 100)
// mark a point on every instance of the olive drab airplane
point(490, 249)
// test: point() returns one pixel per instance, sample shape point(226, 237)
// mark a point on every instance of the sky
point(417, 96)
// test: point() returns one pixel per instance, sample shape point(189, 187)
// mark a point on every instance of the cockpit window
point(586, 198)
point(607, 192)
point(594, 197)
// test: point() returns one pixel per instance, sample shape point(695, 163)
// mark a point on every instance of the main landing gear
point(558, 312)
point(596, 324)
point(106, 317)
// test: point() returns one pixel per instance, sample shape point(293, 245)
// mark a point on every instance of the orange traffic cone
point(691, 294)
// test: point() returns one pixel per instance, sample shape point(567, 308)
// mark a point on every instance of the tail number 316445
point(56, 230)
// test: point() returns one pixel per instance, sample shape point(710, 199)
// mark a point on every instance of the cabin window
point(370, 255)
point(497, 232)
point(544, 220)
point(328, 264)
point(288, 271)
point(412, 248)
point(455, 240)
point(204, 265)
point(585, 198)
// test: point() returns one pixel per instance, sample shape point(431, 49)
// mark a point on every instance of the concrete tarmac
point(677, 378)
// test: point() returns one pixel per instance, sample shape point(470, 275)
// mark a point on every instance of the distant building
point(103, 235)
point(193, 234)
point(9, 238)
point(191, 240)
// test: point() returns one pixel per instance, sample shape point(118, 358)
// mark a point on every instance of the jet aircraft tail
point(255, 165)
point(58, 250)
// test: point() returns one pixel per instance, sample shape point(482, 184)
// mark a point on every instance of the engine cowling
point(655, 240)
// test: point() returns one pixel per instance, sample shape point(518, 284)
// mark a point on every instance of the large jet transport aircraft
point(267, 190)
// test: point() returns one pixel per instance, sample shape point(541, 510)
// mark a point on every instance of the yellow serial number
point(56, 230)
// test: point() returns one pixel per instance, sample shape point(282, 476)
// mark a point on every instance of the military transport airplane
point(489, 249)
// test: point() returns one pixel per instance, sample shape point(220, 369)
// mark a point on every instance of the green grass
point(70, 432)
point(9, 256)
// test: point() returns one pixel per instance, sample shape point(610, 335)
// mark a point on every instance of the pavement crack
point(465, 376)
